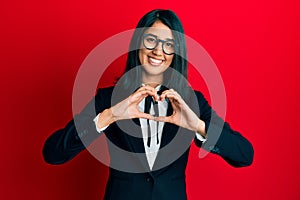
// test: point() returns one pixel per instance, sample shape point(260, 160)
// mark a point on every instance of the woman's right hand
point(128, 108)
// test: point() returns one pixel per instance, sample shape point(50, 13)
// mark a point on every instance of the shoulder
point(201, 101)
point(104, 95)
point(108, 89)
point(112, 94)
point(199, 95)
point(105, 90)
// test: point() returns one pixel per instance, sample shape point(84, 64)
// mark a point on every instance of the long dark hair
point(179, 62)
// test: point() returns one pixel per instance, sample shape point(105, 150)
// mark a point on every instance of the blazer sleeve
point(222, 139)
point(66, 143)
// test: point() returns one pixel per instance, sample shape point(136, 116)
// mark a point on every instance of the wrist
point(201, 128)
point(105, 118)
point(110, 116)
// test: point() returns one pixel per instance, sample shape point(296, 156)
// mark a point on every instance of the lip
point(154, 61)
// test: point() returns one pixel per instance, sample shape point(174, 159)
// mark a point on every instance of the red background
point(255, 45)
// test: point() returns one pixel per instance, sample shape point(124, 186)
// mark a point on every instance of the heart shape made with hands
point(149, 100)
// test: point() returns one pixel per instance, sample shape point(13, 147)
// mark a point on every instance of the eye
point(169, 45)
point(150, 39)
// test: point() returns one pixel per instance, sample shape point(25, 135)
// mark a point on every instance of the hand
point(128, 108)
point(182, 115)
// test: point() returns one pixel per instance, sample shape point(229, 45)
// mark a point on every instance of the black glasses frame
point(158, 41)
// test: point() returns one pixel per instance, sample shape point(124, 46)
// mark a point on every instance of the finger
point(169, 92)
point(147, 87)
point(145, 116)
point(149, 91)
point(153, 92)
point(162, 119)
point(143, 93)
point(143, 87)
point(163, 95)
point(173, 96)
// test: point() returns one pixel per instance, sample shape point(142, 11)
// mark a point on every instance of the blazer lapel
point(168, 134)
point(169, 130)
point(136, 144)
point(136, 140)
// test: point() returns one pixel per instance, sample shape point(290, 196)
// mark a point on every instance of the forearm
point(201, 129)
point(105, 118)
point(221, 139)
point(62, 145)
point(67, 142)
point(231, 145)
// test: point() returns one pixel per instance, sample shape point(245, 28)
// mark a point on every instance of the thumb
point(145, 116)
point(162, 119)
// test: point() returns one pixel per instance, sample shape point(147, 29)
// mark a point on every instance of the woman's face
point(156, 61)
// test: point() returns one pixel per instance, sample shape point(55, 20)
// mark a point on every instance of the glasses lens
point(168, 47)
point(150, 41)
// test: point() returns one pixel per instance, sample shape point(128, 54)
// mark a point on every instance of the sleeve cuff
point(99, 130)
point(200, 137)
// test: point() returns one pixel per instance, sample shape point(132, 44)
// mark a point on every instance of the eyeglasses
point(151, 41)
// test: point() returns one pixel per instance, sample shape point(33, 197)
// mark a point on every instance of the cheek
point(170, 59)
point(142, 56)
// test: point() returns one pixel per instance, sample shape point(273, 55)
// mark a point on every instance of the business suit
point(135, 181)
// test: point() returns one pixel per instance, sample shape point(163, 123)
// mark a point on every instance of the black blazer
point(130, 177)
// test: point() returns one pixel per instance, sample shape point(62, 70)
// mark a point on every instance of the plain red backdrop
point(255, 45)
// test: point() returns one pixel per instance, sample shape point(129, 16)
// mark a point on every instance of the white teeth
point(155, 61)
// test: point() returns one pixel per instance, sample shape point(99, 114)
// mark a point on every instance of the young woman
point(149, 119)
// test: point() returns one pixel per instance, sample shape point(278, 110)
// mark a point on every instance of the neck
point(152, 81)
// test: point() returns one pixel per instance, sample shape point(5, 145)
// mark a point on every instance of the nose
point(158, 50)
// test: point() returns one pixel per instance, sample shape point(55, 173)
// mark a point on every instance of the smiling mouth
point(155, 62)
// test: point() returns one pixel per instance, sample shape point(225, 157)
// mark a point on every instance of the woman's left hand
point(183, 115)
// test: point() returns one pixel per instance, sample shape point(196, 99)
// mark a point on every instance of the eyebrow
point(166, 39)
